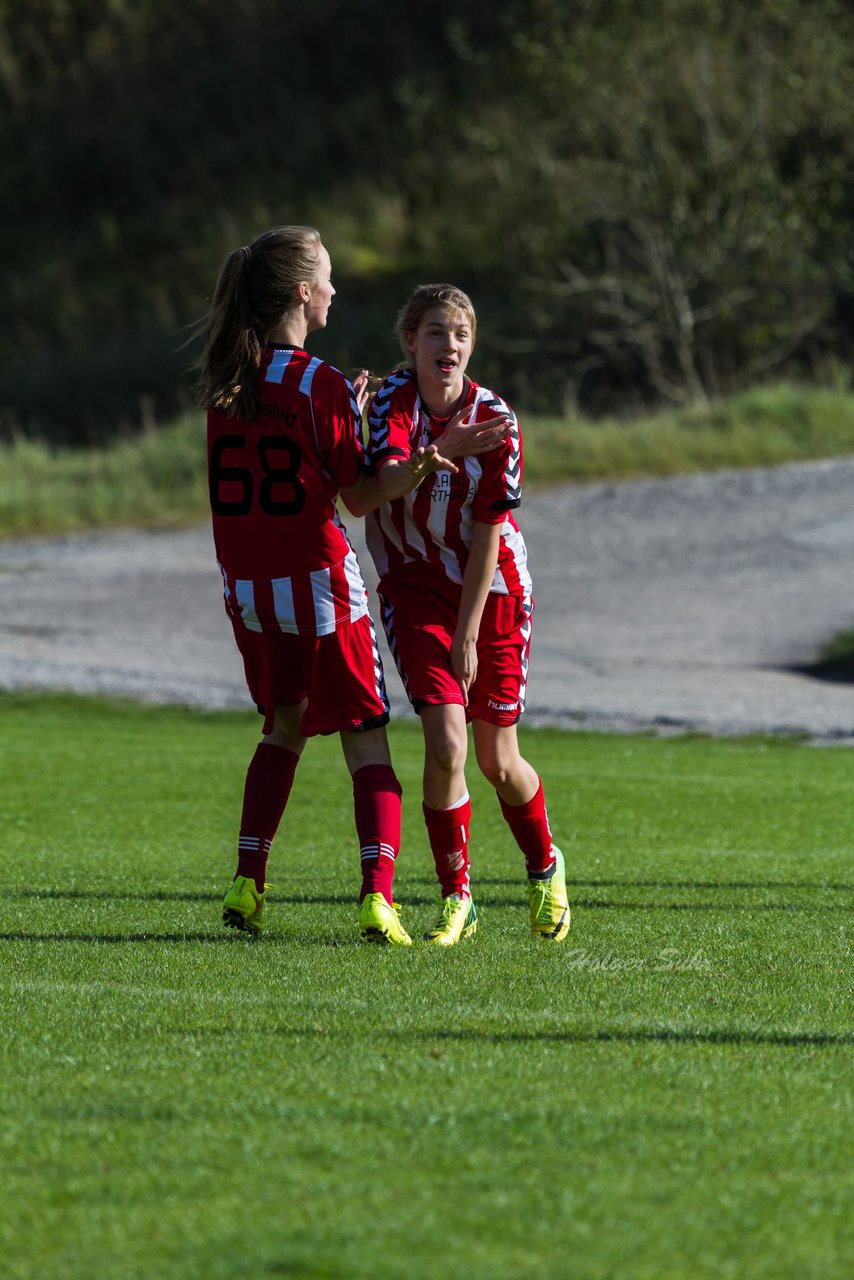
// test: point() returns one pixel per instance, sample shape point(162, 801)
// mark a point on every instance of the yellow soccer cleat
point(243, 907)
point(549, 903)
point(457, 919)
point(380, 923)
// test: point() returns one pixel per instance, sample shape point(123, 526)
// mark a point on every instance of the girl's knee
point(445, 739)
point(503, 766)
point(284, 739)
point(497, 772)
point(448, 756)
point(287, 729)
point(497, 759)
point(446, 750)
point(362, 749)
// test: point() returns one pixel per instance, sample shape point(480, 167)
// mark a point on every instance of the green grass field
point(666, 1095)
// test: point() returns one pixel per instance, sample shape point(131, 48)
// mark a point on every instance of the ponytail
point(256, 287)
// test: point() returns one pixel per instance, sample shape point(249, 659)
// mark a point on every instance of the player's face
point(442, 346)
point(322, 294)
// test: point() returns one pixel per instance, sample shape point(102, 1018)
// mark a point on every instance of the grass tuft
point(764, 426)
point(156, 478)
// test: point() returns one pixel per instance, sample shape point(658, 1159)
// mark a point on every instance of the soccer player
point(283, 440)
point(456, 606)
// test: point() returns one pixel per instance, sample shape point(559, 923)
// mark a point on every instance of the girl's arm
point(399, 476)
point(477, 579)
point(396, 477)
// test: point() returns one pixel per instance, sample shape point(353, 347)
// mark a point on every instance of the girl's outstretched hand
point(360, 386)
point(462, 438)
point(424, 462)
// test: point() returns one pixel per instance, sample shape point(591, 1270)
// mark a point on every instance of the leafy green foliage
point(689, 162)
point(647, 202)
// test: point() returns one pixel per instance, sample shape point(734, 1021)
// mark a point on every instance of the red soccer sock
point(376, 800)
point(269, 779)
point(448, 832)
point(529, 823)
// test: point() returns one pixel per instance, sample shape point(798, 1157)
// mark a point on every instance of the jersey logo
point(447, 486)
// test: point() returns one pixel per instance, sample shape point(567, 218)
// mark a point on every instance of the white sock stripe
point(382, 850)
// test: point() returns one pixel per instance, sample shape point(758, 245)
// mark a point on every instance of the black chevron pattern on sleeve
point(379, 410)
point(513, 467)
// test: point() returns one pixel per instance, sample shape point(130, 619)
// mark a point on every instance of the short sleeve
point(499, 489)
point(390, 420)
point(338, 424)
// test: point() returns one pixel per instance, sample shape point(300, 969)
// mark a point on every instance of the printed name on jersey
point(280, 413)
point(446, 486)
point(434, 523)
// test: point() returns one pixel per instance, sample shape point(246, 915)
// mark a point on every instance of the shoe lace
point(543, 899)
point(447, 913)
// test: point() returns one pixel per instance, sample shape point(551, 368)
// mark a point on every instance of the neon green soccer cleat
point(457, 919)
point(549, 903)
point(380, 923)
point(243, 907)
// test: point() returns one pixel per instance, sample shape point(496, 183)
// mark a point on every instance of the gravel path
point(664, 604)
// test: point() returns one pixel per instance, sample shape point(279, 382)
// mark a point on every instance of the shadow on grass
point(280, 899)
point(647, 1035)
point(677, 884)
point(427, 899)
point(594, 904)
point(227, 938)
point(602, 1035)
point(713, 884)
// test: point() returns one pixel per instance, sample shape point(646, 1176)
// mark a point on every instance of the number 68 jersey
point(285, 558)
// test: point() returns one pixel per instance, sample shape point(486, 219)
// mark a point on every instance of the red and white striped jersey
point(285, 557)
point(433, 525)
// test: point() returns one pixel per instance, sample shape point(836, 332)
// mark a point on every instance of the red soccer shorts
point(419, 623)
point(339, 674)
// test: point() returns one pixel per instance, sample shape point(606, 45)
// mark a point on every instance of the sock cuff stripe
point(380, 850)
